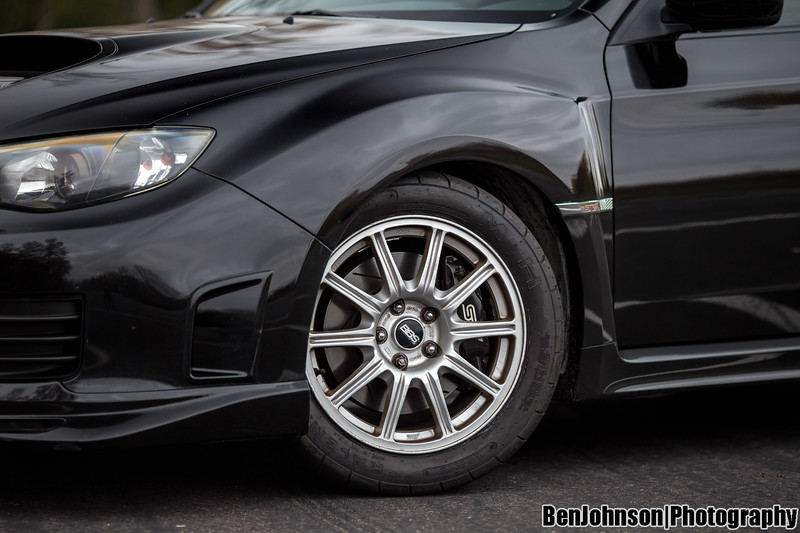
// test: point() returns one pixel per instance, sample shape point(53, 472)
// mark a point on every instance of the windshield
point(456, 10)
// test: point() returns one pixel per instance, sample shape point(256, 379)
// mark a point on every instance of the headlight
point(75, 171)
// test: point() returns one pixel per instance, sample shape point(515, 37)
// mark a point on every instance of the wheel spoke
point(394, 404)
point(467, 286)
point(341, 338)
point(466, 371)
point(476, 330)
point(360, 378)
point(389, 272)
point(430, 261)
point(437, 403)
point(365, 302)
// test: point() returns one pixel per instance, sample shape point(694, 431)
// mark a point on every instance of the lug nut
point(381, 335)
point(400, 361)
point(398, 307)
point(430, 349)
point(428, 315)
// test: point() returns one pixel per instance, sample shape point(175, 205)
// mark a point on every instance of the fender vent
point(40, 339)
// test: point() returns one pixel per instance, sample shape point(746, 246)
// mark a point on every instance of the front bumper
point(194, 303)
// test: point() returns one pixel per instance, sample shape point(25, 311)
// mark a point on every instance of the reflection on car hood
point(147, 72)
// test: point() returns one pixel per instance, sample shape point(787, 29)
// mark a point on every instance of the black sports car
point(394, 229)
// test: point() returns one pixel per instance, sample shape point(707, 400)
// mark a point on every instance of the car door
point(706, 166)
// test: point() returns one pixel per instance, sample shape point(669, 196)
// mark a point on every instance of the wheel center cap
point(409, 333)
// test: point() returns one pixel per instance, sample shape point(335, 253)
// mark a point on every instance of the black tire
point(353, 441)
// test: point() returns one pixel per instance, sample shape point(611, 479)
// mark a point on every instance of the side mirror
point(709, 15)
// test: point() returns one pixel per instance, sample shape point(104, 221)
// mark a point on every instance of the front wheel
point(437, 336)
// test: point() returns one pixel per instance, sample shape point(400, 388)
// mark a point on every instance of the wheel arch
point(526, 186)
point(525, 196)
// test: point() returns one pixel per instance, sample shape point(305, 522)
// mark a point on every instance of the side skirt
point(606, 370)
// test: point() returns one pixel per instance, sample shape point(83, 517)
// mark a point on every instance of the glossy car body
point(667, 159)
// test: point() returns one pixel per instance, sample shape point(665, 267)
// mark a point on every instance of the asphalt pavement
point(725, 448)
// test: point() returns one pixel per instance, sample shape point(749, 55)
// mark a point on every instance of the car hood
point(58, 82)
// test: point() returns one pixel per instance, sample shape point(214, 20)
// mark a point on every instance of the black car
point(393, 229)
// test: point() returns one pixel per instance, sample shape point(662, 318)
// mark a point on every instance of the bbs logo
point(408, 332)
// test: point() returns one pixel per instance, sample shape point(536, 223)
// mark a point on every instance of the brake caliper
point(476, 351)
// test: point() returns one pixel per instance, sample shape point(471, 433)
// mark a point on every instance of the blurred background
point(24, 15)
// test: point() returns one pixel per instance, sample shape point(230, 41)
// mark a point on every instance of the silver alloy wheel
point(385, 358)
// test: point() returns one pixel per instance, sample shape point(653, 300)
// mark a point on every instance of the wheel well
point(526, 201)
